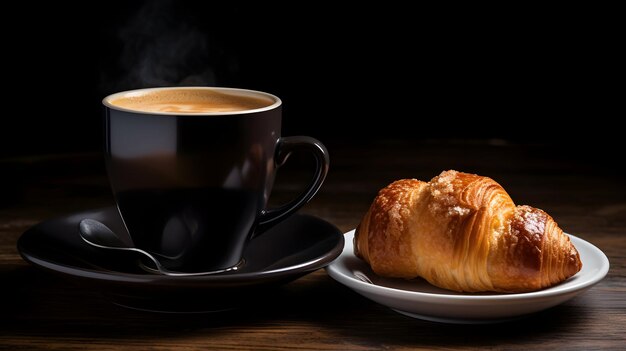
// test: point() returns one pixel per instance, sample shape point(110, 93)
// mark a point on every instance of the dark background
point(360, 74)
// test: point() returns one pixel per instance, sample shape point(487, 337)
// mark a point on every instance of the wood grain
point(585, 196)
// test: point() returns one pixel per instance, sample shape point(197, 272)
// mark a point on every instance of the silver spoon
point(97, 234)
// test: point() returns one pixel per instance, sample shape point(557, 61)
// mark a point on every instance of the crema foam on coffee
point(190, 101)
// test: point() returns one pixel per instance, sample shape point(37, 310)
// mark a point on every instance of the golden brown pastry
point(463, 232)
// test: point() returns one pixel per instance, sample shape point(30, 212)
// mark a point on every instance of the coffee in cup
point(190, 100)
point(192, 169)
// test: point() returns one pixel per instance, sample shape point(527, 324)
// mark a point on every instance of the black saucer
point(295, 247)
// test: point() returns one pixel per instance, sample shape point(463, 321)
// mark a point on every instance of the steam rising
point(163, 48)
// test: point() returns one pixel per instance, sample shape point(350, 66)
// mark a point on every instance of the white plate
point(417, 298)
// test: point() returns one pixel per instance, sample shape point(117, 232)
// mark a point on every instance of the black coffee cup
point(192, 169)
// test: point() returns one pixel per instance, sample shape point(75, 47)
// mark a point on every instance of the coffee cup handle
point(284, 148)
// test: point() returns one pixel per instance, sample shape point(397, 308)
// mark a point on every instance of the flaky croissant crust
point(463, 232)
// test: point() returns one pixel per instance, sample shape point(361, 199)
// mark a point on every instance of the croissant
point(463, 232)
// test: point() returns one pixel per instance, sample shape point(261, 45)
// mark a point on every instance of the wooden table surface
point(585, 196)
